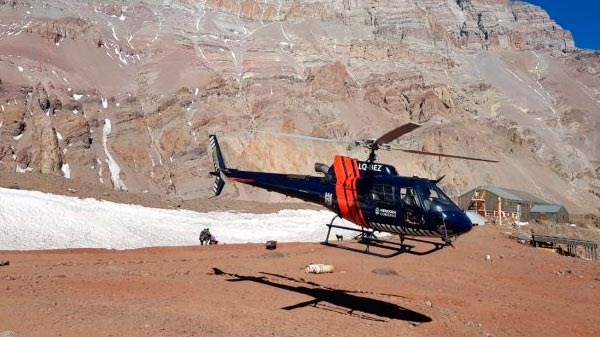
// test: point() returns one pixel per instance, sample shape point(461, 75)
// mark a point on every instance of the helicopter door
point(412, 213)
point(379, 202)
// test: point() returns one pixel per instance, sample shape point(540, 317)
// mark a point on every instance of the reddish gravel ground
point(244, 290)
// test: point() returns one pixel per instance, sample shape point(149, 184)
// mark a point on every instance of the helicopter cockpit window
point(434, 197)
point(407, 195)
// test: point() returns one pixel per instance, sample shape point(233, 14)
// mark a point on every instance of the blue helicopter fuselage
point(371, 195)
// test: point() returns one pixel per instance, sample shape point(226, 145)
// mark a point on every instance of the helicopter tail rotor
point(218, 163)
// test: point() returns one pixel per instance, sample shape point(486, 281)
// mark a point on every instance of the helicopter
point(367, 193)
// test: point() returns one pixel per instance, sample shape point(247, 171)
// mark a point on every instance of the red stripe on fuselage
point(361, 216)
point(347, 173)
point(350, 190)
point(241, 180)
point(340, 188)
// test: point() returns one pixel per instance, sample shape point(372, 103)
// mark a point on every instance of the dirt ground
point(245, 290)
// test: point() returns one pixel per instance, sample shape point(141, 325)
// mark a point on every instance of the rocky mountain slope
point(124, 93)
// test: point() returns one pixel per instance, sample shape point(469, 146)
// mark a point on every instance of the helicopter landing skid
point(368, 238)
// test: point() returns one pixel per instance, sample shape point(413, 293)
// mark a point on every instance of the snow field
point(34, 220)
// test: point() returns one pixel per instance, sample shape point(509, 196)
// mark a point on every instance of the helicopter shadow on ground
point(394, 248)
point(336, 300)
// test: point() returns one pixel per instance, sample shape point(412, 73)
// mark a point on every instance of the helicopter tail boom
point(219, 164)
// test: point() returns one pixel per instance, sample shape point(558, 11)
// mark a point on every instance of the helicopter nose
point(457, 222)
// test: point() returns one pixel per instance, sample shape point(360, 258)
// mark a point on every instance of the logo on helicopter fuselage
point(328, 198)
point(390, 213)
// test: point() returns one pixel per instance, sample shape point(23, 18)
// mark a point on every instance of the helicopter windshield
point(433, 198)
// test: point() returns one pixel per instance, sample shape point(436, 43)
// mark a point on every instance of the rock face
point(49, 156)
point(494, 78)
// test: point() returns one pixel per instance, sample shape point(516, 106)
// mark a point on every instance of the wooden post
point(499, 210)
point(585, 253)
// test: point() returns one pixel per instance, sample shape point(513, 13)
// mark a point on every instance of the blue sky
point(581, 17)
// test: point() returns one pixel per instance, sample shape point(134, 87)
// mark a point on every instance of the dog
point(339, 237)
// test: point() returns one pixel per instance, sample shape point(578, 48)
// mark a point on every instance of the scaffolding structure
point(477, 204)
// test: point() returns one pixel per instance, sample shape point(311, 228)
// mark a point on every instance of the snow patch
point(20, 69)
point(59, 136)
point(113, 167)
point(66, 170)
point(104, 103)
point(18, 169)
point(18, 137)
point(77, 97)
point(283, 33)
point(35, 220)
point(120, 55)
point(114, 34)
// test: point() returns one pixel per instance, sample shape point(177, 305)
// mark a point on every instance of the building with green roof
point(515, 204)
point(554, 212)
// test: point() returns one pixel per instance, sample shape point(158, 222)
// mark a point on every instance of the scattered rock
point(384, 271)
point(429, 304)
point(567, 273)
point(271, 244)
point(4, 263)
point(520, 236)
point(488, 258)
point(319, 268)
point(272, 255)
point(8, 334)
point(474, 324)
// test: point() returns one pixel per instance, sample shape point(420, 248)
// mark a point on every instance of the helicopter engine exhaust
point(321, 168)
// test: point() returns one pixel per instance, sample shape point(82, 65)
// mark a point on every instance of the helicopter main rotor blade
point(394, 134)
point(446, 155)
point(319, 139)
